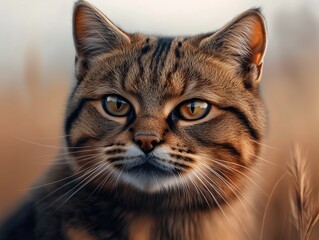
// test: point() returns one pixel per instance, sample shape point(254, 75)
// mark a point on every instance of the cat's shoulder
point(21, 224)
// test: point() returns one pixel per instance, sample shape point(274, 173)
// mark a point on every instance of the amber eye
point(116, 106)
point(194, 110)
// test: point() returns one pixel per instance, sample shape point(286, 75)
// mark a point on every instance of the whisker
point(231, 185)
point(211, 194)
point(89, 149)
point(241, 173)
point(216, 190)
point(71, 176)
point(268, 202)
point(101, 184)
point(218, 161)
point(60, 180)
point(214, 198)
point(186, 188)
point(235, 164)
point(50, 146)
point(88, 171)
point(82, 180)
point(54, 137)
point(199, 191)
point(83, 183)
point(118, 177)
point(66, 160)
point(265, 145)
point(267, 161)
point(67, 153)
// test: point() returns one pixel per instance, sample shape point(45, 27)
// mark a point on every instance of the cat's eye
point(194, 110)
point(116, 106)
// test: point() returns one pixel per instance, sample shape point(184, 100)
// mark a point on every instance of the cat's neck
point(140, 224)
point(232, 222)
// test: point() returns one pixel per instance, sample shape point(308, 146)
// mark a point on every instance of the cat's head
point(157, 115)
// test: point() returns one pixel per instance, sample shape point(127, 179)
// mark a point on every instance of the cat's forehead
point(155, 70)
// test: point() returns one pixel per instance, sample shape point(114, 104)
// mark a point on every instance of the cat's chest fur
point(88, 216)
point(204, 226)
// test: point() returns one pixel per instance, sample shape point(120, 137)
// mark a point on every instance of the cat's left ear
point(242, 43)
point(93, 34)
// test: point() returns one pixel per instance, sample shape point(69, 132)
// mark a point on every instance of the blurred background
point(36, 75)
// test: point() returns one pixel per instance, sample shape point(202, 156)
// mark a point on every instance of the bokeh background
point(36, 75)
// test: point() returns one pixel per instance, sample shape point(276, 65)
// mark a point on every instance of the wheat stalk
point(304, 212)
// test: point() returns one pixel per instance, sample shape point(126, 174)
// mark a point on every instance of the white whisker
point(268, 202)
point(216, 190)
point(71, 176)
point(236, 170)
point(84, 183)
point(264, 145)
point(64, 185)
point(232, 186)
point(50, 146)
point(232, 163)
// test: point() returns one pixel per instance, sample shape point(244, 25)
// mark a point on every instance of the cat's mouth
point(148, 166)
point(148, 173)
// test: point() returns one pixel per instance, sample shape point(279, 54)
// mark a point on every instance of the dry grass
point(303, 200)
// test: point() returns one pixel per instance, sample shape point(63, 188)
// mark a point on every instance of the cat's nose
point(147, 141)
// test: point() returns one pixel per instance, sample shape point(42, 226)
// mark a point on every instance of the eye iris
point(116, 106)
point(194, 110)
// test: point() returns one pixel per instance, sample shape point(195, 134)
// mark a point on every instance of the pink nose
point(147, 142)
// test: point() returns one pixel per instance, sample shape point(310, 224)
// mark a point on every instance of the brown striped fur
point(207, 158)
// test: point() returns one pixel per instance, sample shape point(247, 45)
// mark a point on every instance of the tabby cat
point(160, 135)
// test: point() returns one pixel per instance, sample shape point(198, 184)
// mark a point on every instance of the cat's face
point(157, 114)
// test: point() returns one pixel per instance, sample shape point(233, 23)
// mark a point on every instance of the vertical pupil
point(118, 104)
point(192, 107)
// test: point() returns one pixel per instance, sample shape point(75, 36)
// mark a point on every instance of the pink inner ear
point(257, 42)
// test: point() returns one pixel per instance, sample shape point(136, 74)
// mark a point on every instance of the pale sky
point(43, 27)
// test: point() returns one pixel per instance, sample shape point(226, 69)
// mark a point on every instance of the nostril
point(139, 142)
point(154, 143)
point(147, 142)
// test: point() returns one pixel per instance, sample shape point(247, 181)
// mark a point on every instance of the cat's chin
point(149, 178)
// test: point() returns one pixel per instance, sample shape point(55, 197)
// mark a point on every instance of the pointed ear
point(242, 43)
point(93, 34)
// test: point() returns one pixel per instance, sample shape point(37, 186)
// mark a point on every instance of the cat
point(160, 135)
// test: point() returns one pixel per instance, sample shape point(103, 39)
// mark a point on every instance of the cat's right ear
point(93, 34)
point(241, 43)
